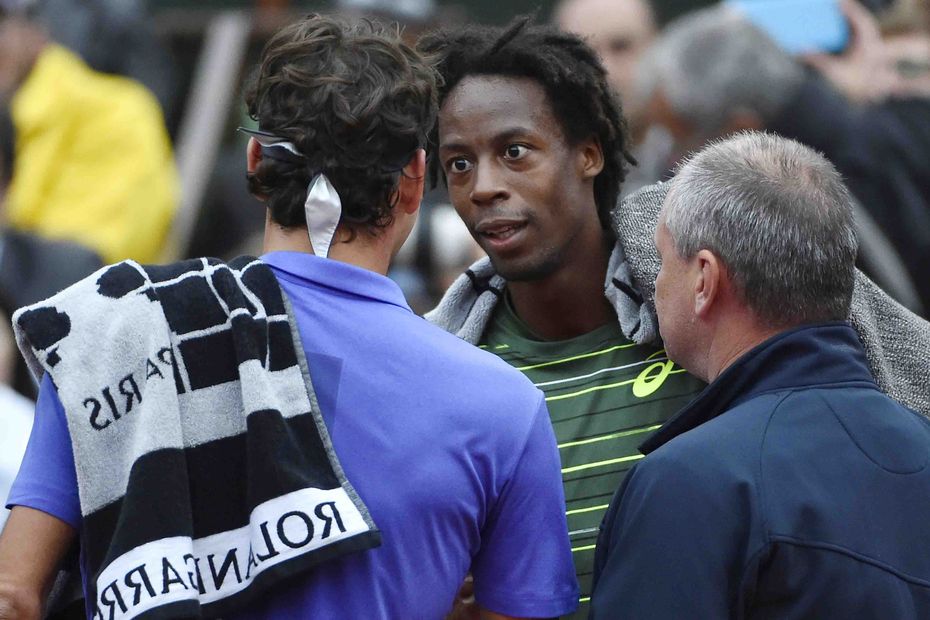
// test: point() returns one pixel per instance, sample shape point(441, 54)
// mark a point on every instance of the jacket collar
point(821, 354)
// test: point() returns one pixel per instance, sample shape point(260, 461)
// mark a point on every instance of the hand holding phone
point(799, 26)
point(862, 71)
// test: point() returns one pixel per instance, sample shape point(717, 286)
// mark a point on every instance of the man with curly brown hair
point(449, 448)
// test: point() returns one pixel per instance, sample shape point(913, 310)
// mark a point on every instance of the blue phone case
point(798, 26)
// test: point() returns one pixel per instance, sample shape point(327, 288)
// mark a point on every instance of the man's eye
point(620, 45)
point(459, 164)
point(515, 151)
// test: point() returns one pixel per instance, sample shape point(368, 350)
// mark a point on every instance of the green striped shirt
point(605, 396)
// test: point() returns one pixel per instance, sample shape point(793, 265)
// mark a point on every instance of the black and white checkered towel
point(204, 469)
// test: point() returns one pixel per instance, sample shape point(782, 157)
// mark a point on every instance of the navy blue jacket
point(791, 487)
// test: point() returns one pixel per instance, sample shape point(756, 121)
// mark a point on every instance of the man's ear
point(708, 275)
point(412, 180)
point(253, 155)
point(590, 158)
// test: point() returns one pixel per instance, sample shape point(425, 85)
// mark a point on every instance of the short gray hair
point(712, 63)
point(779, 217)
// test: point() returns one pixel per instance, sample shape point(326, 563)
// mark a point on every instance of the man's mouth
point(500, 230)
point(499, 233)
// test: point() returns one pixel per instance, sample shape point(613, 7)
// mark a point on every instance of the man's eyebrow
point(511, 133)
point(505, 135)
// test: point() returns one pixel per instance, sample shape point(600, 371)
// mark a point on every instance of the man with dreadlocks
point(533, 148)
point(204, 482)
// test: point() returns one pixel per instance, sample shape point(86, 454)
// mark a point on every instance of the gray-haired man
point(713, 73)
point(792, 486)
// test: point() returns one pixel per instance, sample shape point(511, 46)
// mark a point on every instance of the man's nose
point(489, 186)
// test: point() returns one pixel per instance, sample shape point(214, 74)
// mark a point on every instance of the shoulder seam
point(800, 542)
point(869, 385)
point(760, 490)
point(862, 450)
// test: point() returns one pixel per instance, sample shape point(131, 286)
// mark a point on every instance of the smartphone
point(799, 26)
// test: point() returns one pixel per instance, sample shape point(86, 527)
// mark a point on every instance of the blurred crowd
point(94, 95)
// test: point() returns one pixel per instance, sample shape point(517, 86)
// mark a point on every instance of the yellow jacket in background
point(93, 160)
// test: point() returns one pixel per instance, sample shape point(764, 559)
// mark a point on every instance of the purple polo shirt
point(450, 448)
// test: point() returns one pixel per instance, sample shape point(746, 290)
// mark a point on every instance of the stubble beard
point(535, 269)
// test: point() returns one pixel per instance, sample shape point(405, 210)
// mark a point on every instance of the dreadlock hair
point(571, 75)
point(356, 101)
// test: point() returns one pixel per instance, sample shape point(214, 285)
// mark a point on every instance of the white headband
point(322, 208)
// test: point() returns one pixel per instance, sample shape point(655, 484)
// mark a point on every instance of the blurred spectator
point(94, 161)
point(862, 72)
point(112, 36)
point(619, 31)
point(31, 268)
point(712, 73)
